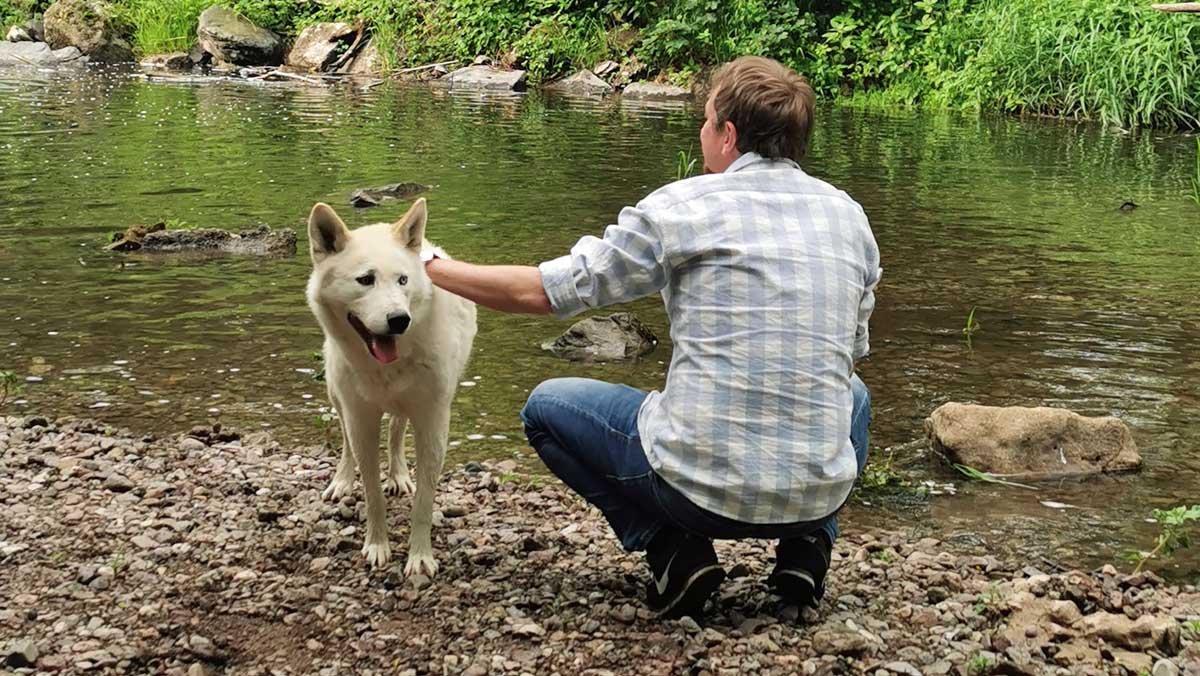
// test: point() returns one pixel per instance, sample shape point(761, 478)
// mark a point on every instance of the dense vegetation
point(1111, 60)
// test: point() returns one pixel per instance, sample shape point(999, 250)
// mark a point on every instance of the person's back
point(768, 278)
point(766, 271)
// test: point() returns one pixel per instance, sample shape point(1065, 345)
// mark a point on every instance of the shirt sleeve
point(627, 263)
point(862, 334)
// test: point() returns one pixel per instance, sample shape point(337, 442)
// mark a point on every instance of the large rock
point(38, 54)
point(1030, 442)
point(617, 337)
point(584, 82)
point(655, 91)
point(1146, 633)
point(88, 25)
point(260, 241)
point(235, 41)
point(319, 45)
point(487, 78)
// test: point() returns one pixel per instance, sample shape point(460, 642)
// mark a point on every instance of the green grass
point(160, 26)
point(9, 385)
point(1109, 60)
point(972, 326)
point(1196, 178)
point(685, 164)
point(987, 478)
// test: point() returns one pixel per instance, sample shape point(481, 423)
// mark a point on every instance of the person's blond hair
point(770, 105)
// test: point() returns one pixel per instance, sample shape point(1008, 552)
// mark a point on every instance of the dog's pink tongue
point(383, 348)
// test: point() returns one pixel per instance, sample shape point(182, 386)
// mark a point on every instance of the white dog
point(395, 344)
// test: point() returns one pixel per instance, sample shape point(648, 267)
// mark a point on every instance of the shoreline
point(214, 553)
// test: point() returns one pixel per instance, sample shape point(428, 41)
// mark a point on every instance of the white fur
point(418, 386)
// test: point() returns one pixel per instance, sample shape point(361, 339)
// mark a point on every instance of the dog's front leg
point(398, 479)
point(343, 478)
point(432, 430)
point(362, 423)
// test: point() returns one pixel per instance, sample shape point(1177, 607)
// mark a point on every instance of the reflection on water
point(1082, 305)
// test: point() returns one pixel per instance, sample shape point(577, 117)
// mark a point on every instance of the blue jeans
point(586, 432)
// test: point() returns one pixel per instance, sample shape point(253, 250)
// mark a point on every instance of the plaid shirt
point(768, 276)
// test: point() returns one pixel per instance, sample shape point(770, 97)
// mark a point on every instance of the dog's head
point(370, 281)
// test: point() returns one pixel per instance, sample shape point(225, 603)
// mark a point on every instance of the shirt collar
point(752, 158)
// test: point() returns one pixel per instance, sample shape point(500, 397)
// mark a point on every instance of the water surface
point(1082, 305)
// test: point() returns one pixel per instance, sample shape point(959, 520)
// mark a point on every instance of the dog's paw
point(337, 488)
point(377, 554)
point(421, 564)
point(399, 486)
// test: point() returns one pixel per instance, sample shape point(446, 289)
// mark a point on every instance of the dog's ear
point(327, 234)
point(410, 229)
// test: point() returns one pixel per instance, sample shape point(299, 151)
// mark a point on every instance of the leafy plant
point(319, 374)
point(685, 164)
point(1108, 60)
point(1173, 534)
point(117, 561)
point(328, 425)
point(9, 384)
point(988, 603)
point(885, 556)
point(881, 473)
point(972, 326)
point(979, 665)
point(18, 11)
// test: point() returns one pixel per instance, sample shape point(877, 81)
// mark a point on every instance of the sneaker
point(684, 574)
point(800, 567)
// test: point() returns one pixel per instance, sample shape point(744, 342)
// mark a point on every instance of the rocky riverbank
point(213, 553)
point(228, 44)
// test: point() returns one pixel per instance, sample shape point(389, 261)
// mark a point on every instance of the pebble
point(118, 484)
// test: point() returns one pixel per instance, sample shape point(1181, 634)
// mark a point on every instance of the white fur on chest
point(411, 381)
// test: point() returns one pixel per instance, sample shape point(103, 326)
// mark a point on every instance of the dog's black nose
point(398, 323)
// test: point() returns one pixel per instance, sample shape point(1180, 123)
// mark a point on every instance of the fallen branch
point(285, 74)
point(352, 52)
point(1190, 7)
point(426, 67)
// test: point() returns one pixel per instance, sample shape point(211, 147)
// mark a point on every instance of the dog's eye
point(403, 280)
point(366, 280)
